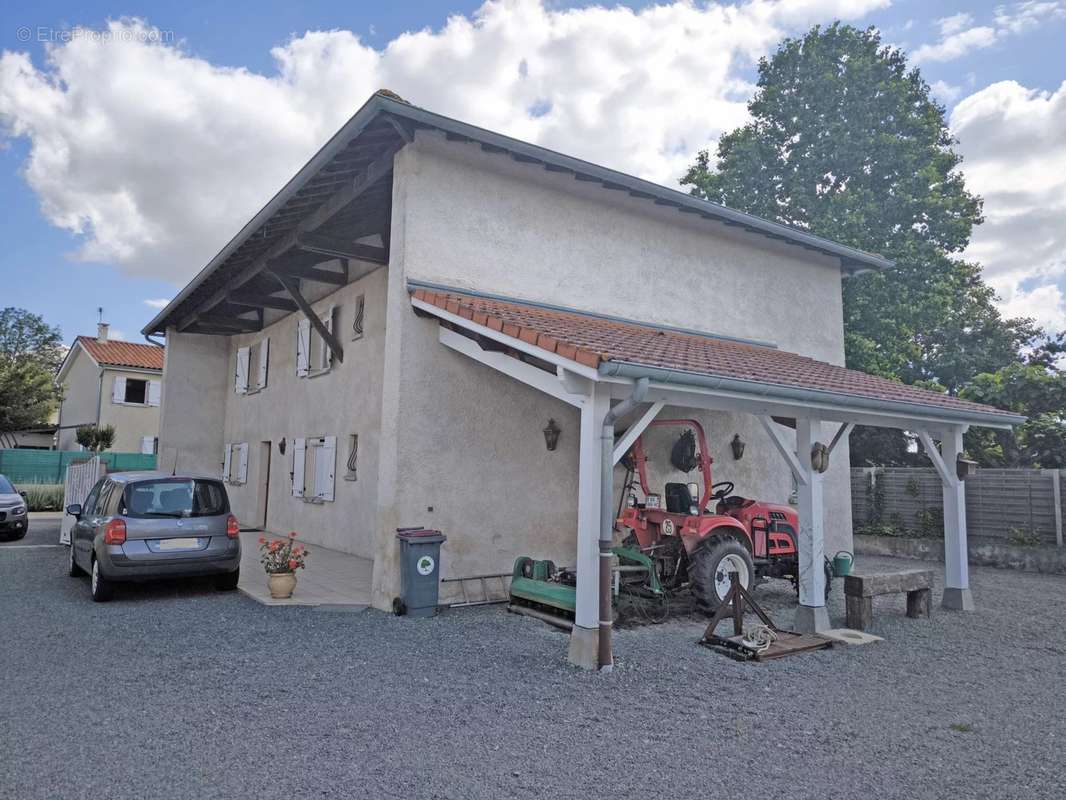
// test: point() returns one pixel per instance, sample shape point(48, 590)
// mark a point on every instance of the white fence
point(80, 480)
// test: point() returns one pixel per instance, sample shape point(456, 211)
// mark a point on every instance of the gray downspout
point(605, 657)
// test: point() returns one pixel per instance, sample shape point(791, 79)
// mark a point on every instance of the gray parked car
point(142, 526)
point(13, 520)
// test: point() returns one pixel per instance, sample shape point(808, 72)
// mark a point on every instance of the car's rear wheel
point(102, 589)
point(73, 569)
point(228, 582)
point(712, 569)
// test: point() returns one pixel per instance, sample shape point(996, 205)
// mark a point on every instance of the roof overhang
point(300, 196)
point(515, 352)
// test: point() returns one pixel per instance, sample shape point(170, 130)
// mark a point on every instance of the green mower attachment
point(540, 589)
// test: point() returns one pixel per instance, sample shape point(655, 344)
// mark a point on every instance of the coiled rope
point(758, 638)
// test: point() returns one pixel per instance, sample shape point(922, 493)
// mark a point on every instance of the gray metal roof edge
point(440, 287)
point(381, 103)
point(771, 391)
point(765, 226)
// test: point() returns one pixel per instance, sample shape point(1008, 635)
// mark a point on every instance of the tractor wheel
point(711, 568)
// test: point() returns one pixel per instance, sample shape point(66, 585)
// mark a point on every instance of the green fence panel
point(50, 466)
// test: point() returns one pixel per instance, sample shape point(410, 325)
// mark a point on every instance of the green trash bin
point(419, 571)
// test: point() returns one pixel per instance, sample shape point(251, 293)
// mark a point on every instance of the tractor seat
point(678, 498)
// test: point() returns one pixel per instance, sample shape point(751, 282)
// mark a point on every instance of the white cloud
point(956, 45)
point(157, 303)
point(1044, 304)
point(945, 92)
point(156, 157)
point(1015, 157)
point(954, 23)
point(959, 36)
point(116, 335)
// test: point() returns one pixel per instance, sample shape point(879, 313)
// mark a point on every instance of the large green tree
point(1037, 390)
point(845, 141)
point(30, 353)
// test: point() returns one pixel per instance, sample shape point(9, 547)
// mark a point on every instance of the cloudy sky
point(136, 138)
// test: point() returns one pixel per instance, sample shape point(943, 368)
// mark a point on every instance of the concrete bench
point(861, 588)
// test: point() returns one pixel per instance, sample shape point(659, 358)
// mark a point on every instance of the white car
point(13, 519)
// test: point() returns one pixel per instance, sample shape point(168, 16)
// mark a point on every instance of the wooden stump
point(919, 603)
point(860, 612)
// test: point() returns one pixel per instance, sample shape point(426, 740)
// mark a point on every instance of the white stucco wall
point(344, 401)
point(195, 369)
point(467, 219)
point(132, 422)
point(81, 397)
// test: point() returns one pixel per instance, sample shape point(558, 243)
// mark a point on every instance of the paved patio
point(331, 578)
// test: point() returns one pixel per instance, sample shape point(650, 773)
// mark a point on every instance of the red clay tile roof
point(593, 340)
point(123, 354)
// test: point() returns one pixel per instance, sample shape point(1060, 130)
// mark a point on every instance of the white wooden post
point(585, 634)
point(811, 614)
point(1056, 498)
point(957, 594)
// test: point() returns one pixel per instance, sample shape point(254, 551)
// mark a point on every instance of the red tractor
point(692, 545)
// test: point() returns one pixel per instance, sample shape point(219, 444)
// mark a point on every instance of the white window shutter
point(147, 445)
point(264, 362)
point(118, 392)
point(154, 390)
point(226, 462)
point(242, 462)
point(303, 347)
point(241, 380)
point(325, 468)
point(299, 448)
point(327, 351)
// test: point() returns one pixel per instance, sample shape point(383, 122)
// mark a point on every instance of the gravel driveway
point(176, 691)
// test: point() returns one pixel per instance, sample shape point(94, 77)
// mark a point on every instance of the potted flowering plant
point(281, 558)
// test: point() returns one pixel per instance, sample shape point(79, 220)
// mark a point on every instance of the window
point(135, 391)
point(111, 501)
point(313, 353)
point(313, 467)
point(176, 497)
point(107, 501)
point(89, 506)
point(250, 372)
point(149, 445)
point(235, 463)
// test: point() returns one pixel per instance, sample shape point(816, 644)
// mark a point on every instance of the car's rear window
point(5, 486)
point(176, 497)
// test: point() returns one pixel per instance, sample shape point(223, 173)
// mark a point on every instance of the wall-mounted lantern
point(551, 434)
point(965, 468)
point(819, 457)
point(737, 446)
point(281, 446)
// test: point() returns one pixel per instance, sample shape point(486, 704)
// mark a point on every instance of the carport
point(609, 367)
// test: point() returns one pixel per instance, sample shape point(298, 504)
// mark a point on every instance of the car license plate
point(178, 544)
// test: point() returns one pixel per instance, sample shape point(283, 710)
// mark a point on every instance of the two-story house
point(111, 382)
point(434, 324)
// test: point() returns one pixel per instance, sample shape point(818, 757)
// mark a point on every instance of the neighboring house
point(384, 344)
point(108, 382)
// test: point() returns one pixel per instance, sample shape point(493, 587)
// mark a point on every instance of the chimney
point(101, 332)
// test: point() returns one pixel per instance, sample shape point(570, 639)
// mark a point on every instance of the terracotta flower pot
point(281, 584)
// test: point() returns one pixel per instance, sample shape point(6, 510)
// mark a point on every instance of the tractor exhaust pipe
point(605, 657)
